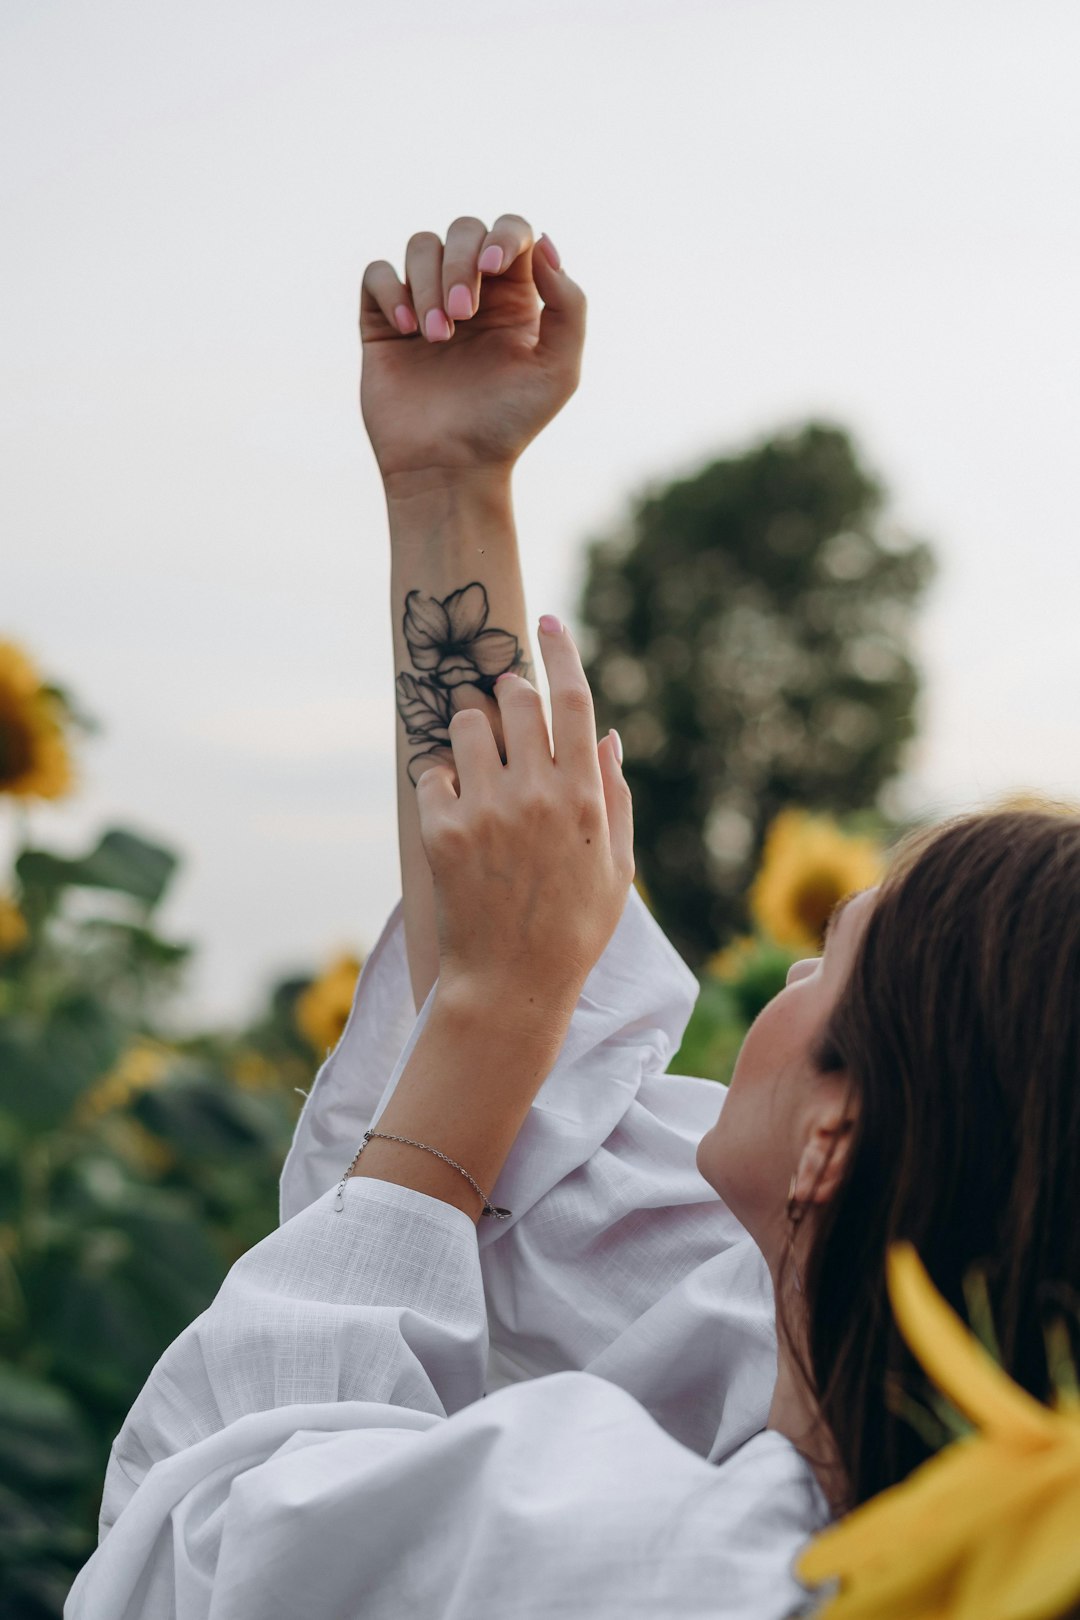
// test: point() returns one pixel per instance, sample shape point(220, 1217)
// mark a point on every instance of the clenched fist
point(468, 358)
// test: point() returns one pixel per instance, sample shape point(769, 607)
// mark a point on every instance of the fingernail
point(459, 303)
point(550, 624)
point(550, 251)
point(491, 259)
point(617, 744)
point(406, 320)
point(436, 325)
point(507, 675)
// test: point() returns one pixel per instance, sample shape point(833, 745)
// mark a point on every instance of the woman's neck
point(794, 1414)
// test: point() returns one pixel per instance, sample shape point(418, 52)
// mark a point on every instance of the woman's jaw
point(784, 1130)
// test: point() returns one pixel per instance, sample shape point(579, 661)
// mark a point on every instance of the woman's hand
point(481, 366)
point(532, 860)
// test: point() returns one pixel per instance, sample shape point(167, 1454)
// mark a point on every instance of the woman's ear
point(829, 1127)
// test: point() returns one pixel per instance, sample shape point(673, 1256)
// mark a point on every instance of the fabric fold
point(383, 1301)
point(639, 997)
point(619, 1259)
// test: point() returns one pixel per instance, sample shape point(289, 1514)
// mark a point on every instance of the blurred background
point(810, 514)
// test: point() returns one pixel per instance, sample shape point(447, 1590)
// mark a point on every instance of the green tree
point(747, 632)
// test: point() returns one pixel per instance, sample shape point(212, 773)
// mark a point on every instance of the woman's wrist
point(466, 1091)
point(445, 489)
point(506, 1008)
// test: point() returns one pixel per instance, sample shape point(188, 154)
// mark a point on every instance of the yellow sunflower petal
point(987, 1529)
point(1027, 1559)
point(808, 864)
point(34, 759)
point(864, 1544)
point(954, 1359)
point(13, 926)
point(322, 1010)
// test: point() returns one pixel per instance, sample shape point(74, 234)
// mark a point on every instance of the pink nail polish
point(436, 326)
point(406, 320)
point(459, 303)
point(550, 251)
point(550, 624)
point(491, 260)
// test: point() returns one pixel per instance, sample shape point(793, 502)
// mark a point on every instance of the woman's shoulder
point(560, 1495)
point(567, 1411)
point(598, 1442)
point(610, 1477)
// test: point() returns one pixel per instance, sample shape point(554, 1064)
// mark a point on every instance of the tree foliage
point(748, 633)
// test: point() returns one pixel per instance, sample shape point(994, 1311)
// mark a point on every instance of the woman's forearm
point(450, 533)
point(466, 1089)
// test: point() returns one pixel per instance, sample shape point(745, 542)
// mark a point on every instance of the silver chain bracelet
point(339, 1201)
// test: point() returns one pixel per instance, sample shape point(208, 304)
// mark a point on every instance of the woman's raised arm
point(462, 367)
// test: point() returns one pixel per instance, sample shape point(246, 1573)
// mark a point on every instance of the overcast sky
point(869, 212)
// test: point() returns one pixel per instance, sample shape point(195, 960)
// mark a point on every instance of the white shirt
point(318, 1443)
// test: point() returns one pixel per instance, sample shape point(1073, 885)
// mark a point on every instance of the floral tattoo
point(460, 662)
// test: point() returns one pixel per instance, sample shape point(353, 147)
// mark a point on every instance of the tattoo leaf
point(424, 708)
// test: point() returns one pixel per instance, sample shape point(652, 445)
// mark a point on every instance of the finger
point(384, 303)
point(436, 802)
point(573, 722)
point(508, 239)
point(423, 274)
point(442, 755)
point(525, 732)
point(460, 276)
point(476, 753)
point(562, 319)
point(620, 806)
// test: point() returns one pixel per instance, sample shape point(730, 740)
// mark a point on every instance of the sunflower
point(251, 1071)
point(137, 1069)
point(987, 1528)
point(323, 1008)
point(13, 929)
point(138, 1147)
point(808, 865)
point(34, 760)
point(729, 962)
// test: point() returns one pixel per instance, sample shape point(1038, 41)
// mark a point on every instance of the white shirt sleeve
point(382, 1301)
point(315, 1443)
point(620, 1259)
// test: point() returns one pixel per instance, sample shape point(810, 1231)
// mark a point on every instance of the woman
point(544, 1216)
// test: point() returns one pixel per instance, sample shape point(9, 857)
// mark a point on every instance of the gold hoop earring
point(795, 1212)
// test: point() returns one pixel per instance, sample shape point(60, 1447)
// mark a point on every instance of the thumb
point(620, 805)
point(562, 319)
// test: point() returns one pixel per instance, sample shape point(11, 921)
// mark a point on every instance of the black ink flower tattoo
point(460, 660)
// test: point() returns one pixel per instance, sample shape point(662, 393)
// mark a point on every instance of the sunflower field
point(136, 1167)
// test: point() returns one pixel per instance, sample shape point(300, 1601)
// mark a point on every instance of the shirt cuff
point(635, 1003)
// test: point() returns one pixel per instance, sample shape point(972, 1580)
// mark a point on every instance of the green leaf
point(143, 947)
point(116, 1289)
point(202, 1117)
point(44, 1072)
point(712, 1037)
point(74, 713)
point(122, 861)
point(43, 1437)
point(31, 1530)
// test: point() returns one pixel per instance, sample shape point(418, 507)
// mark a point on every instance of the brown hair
point(959, 1027)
